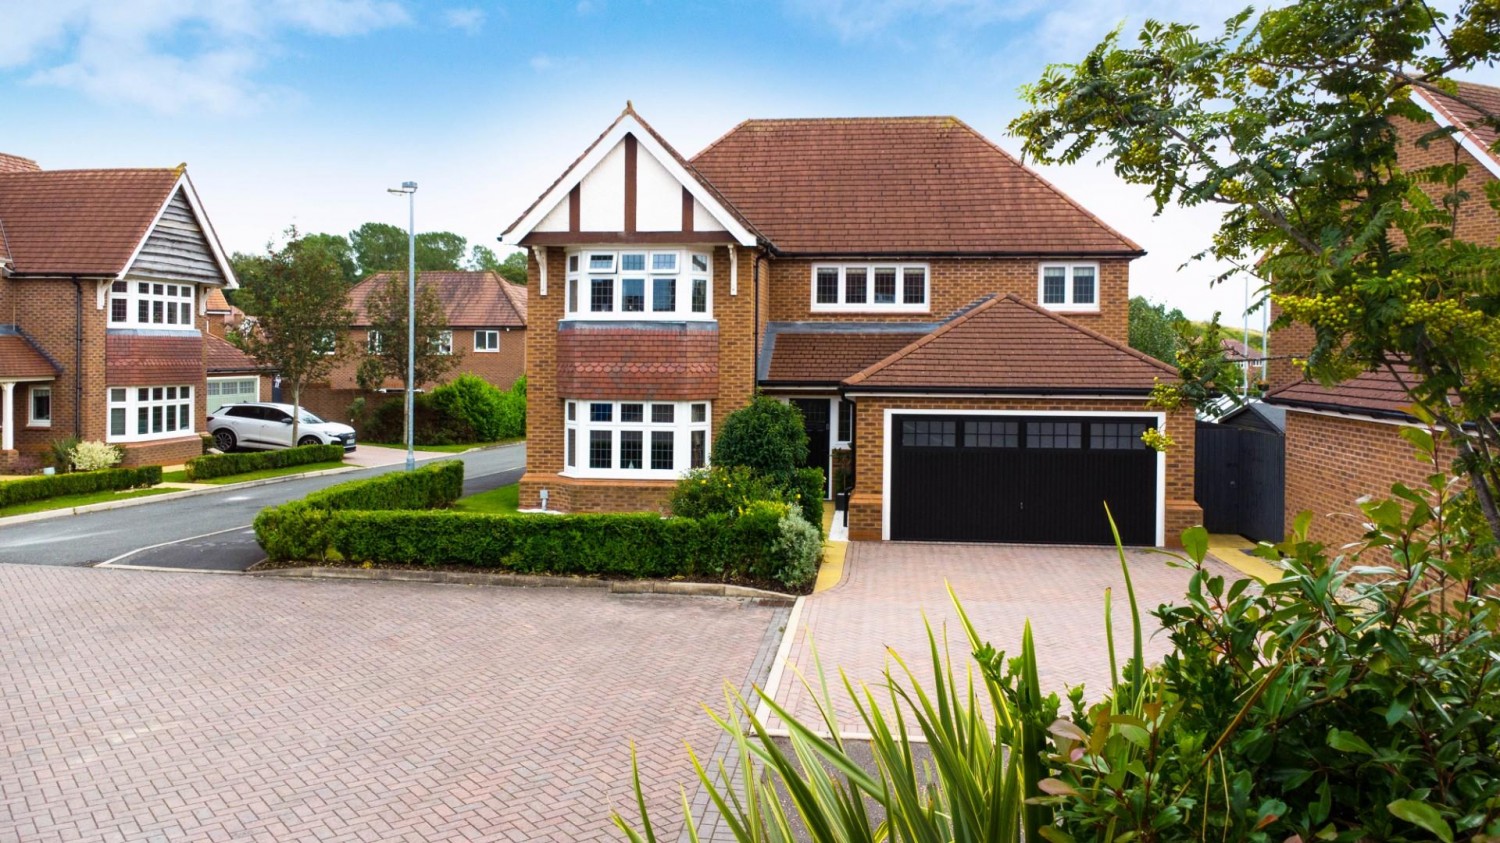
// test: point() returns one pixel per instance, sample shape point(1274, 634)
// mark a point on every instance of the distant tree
point(380, 247)
point(483, 258)
point(302, 313)
point(1153, 329)
point(513, 269)
point(386, 357)
point(338, 246)
point(246, 268)
point(440, 250)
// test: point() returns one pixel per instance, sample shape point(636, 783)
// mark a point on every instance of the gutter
point(971, 255)
point(980, 391)
point(1343, 409)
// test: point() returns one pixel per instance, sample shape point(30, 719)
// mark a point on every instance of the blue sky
point(303, 111)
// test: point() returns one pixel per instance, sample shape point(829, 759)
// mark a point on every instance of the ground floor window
point(223, 391)
point(39, 408)
point(140, 413)
point(636, 439)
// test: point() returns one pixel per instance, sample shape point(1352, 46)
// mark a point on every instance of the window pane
point(663, 261)
point(630, 448)
point(41, 404)
point(633, 263)
point(214, 387)
point(156, 312)
point(572, 295)
point(1117, 436)
point(633, 295)
point(663, 413)
point(885, 286)
point(171, 417)
point(700, 263)
point(664, 294)
point(156, 419)
point(117, 421)
point(158, 289)
point(156, 394)
point(698, 455)
point(171, 313)
point(985, 434)
point(700, 413)
point(828, 286)
point(118, 310)
point(143, 311)
point(632, 413)
point(1083, 285)
point(572, 448)
point(117, 396)
point(143, 394)
point(187, 313)
point(142, 420)
point(572, 263)
point(1054, 435)
point(661, 450)
point(929, 434)
point(602, 299)
point(855, 281)
point(601, 263)
point(914, 286)
point(601, 449)
point(184, 416)
point(601, 412)
point(119, 287)
point(700, 295)
point(572, 411)
point(846, 421)
point(1054, 285)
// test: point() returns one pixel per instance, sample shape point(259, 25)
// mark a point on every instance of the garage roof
point(1011, 345)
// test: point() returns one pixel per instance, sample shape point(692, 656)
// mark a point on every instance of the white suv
point(270, 426)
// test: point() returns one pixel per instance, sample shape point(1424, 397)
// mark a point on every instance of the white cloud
point(469, 19)
point(174, 57)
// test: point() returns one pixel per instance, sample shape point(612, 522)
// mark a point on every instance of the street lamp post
point(410, 189)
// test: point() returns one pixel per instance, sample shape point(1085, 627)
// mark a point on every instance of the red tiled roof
point(219, 355)
point(134, 360)
point(20, 359)
point(909, 185)
point(518, 297)
point(1372, 393)
point(83, 222)
point(829, 357)
point(17, 164)
point(1462, 113)
point(469, 299)
point(215, 302)
point(1010, 345)
point(662, 362)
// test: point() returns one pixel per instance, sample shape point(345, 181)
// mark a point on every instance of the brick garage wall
point(955, 283)
point(866, 504)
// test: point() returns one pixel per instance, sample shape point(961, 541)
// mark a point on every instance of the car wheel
point(309, 440)
point(224, 439)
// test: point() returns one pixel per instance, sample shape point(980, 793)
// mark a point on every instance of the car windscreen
point(309, 418)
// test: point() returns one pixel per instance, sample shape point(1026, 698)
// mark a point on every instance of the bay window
point(142, 413)
point(640, 439)
point(667, 284)
point(150, 304)
point(871, 288)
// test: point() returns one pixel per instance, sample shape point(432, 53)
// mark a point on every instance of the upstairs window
point(151, 304)
point(487, 340)
point(870, 288)
point(1069, 286)
point(666, 284)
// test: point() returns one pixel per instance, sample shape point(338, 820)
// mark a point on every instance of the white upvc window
point(325, 343)
point(143, 413)
point(646, 440)
point(487, 340)
point(636, 284)
point(151, 304)
point(444, 343)
point(871, 288)
point(1068, 286)
point(39, 407)
point(373, 341)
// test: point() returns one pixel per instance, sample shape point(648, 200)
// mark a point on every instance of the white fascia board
point(186, 186)
point(629, 125)
point(1464, 137)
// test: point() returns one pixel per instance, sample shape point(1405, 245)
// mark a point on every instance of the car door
point(278, 427)
point(246, 423)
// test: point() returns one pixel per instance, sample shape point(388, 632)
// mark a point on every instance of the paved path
point(164, 706)
point(889, 586)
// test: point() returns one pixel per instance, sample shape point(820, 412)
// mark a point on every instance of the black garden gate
point(1241, 481)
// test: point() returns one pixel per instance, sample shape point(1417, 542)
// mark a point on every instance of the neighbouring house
point(1343, 441)
point(105, 277)
point(921, 296)
point(486, 318)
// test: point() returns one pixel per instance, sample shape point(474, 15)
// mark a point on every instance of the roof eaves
point(1471, 142)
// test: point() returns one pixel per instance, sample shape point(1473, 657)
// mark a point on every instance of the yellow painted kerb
point(1233, 551)
point(832, 569)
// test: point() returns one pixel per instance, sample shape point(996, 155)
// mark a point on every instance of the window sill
point(671, 475)
point(1072, 308)
point(156, 437)
point(486, 351)
point(871, 308)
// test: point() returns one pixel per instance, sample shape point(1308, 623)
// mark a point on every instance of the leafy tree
point(338, 246)
point(1289, 122)
point(766, 435)
point(513, 269)
point(247, 267)
point(386, 311)
point(1153, 329)
point(302, 313)
point(483, 258)
point(379, 247)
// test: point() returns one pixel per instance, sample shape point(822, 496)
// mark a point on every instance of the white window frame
point(1067, 303)
point(488, 348)
point(373, 341)
point(132, 404)
point(31, 395)
point(581, 275)
point(128, 291)
point(869, 305)
point(577, 422)
point(240, 396)
point(444, 343)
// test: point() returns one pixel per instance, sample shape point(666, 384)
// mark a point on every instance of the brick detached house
point(104, 280)
point(1343, 441)
point(486, 318)
point(913, 289)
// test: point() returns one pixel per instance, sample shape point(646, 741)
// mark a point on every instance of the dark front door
point(815, 420)
point(1021, 479)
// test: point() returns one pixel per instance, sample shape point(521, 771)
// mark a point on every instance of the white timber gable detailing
point(541, 265)
point(602, 194)
point(556, 219)
point(180, 244)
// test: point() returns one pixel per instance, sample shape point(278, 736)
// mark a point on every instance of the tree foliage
point(338, 246)
point(302, 313)
point(1153, 329)
point(766, 436)
point(1289, 122)
point(385, 310)
point(513, 268)
point(380, 246)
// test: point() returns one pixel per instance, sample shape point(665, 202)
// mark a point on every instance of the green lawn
point(181, 476)
point(504, 501)
point(70, 501)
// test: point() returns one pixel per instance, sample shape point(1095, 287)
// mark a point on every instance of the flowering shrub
point(92, 456)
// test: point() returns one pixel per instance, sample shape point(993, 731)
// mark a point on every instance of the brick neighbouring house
point(912, 288)
point(1343, 442)
point(104, 279)
point(486, 318)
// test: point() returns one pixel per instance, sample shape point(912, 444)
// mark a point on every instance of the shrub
point(797, 548)
point(513, 411)
point(720, 490)
point(60, 453)
point(224, 465)
point(473, 401)
point(93, 456)
point(79, 483)
point(765, 435)
point(804, 489)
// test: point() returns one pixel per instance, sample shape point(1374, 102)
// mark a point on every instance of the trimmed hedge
point(299, 529)
point(79, 483)
point(223, 465)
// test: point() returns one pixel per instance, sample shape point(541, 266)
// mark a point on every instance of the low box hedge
point(43, 487)
point(299, 529)
point(223, 465)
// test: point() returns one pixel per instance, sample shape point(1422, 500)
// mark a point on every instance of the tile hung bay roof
point(479, 299)
point(888, 186)
point(803, 354)
point(79, 222)
point(1007, 345)
point(1462, 113)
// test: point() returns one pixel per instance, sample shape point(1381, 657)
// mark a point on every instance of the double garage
point(973, 476)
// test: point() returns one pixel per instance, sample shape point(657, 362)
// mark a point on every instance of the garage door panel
point(1012, 481)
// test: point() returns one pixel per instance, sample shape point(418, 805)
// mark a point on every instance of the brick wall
point(45, 310)
point(866, 504)
point(955, 283)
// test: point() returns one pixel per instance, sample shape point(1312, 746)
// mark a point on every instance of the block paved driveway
point(888, 586)
point(164, 706)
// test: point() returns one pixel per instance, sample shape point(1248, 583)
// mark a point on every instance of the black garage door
point(1021, 479)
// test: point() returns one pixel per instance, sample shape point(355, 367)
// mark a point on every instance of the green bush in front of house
point(727, 490)
point(467, 409)
point(31, 489)
point(224, 465)
point(765, 435)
